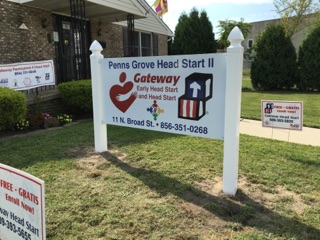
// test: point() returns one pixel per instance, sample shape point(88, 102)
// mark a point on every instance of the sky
point(250, 10)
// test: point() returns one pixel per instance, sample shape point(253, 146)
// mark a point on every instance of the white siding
point(122, 5)
point(152, 23)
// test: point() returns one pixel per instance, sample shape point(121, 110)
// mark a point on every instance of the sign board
point(27, 75)
point(177, 94)
point(282, 114)
point(22, 209)
point(198, 95)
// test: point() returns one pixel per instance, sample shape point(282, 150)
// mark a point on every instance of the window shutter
point(125, 42)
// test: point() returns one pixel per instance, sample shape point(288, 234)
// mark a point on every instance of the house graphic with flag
point(198, 90)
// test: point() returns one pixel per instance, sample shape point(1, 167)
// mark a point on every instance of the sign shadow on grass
point(240, 209)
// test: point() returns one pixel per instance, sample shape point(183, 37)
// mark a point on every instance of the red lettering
point(28, 195)
point(292, 107)
point(6, 185)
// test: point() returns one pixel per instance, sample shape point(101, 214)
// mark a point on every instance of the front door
point(72, 50)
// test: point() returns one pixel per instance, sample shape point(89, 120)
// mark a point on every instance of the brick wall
point(111, 34)
point(52, 106)
point(18, 45)
point(163, 45)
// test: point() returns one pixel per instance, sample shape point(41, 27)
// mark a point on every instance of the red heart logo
point(116, 91)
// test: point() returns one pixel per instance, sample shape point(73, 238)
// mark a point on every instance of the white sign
point(198, 95)
point(282, 114)
point(177, 94)
point(27, 75)
point(22, 209)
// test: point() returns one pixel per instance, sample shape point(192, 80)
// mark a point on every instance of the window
point(142, 44)
point(145, 44)
point(250, 43)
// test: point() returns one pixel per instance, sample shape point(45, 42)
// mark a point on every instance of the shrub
point(309, 62)
point(77, 95)
point(12, 108)
point(275, 62)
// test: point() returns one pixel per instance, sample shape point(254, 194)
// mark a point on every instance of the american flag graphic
point(190, 108)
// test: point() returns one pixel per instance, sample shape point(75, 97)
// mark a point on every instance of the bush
point(77, 95)
point(12, 108)
point(275, 63)
point(309, 62)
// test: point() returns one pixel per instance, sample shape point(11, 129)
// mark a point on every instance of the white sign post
point(22, 208)
point(197, 95)
point(232, 112)
point(100, 133)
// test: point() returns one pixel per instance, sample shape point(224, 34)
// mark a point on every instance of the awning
point(104, 10)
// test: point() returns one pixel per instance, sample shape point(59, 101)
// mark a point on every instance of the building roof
point(104, 10)
point(115, 11)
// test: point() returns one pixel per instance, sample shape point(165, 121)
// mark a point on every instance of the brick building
point(62, 30)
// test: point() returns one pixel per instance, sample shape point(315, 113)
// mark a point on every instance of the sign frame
point(231, 127)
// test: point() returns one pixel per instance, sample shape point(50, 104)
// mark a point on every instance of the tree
point(193, 34)
point(294, 14)
point(275, 62)
point(226, 26)
point(309, 62)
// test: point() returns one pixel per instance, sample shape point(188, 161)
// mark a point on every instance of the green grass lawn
point(251, 103)
point(154, 185)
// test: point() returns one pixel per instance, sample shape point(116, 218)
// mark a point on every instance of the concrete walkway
point(308, 136)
